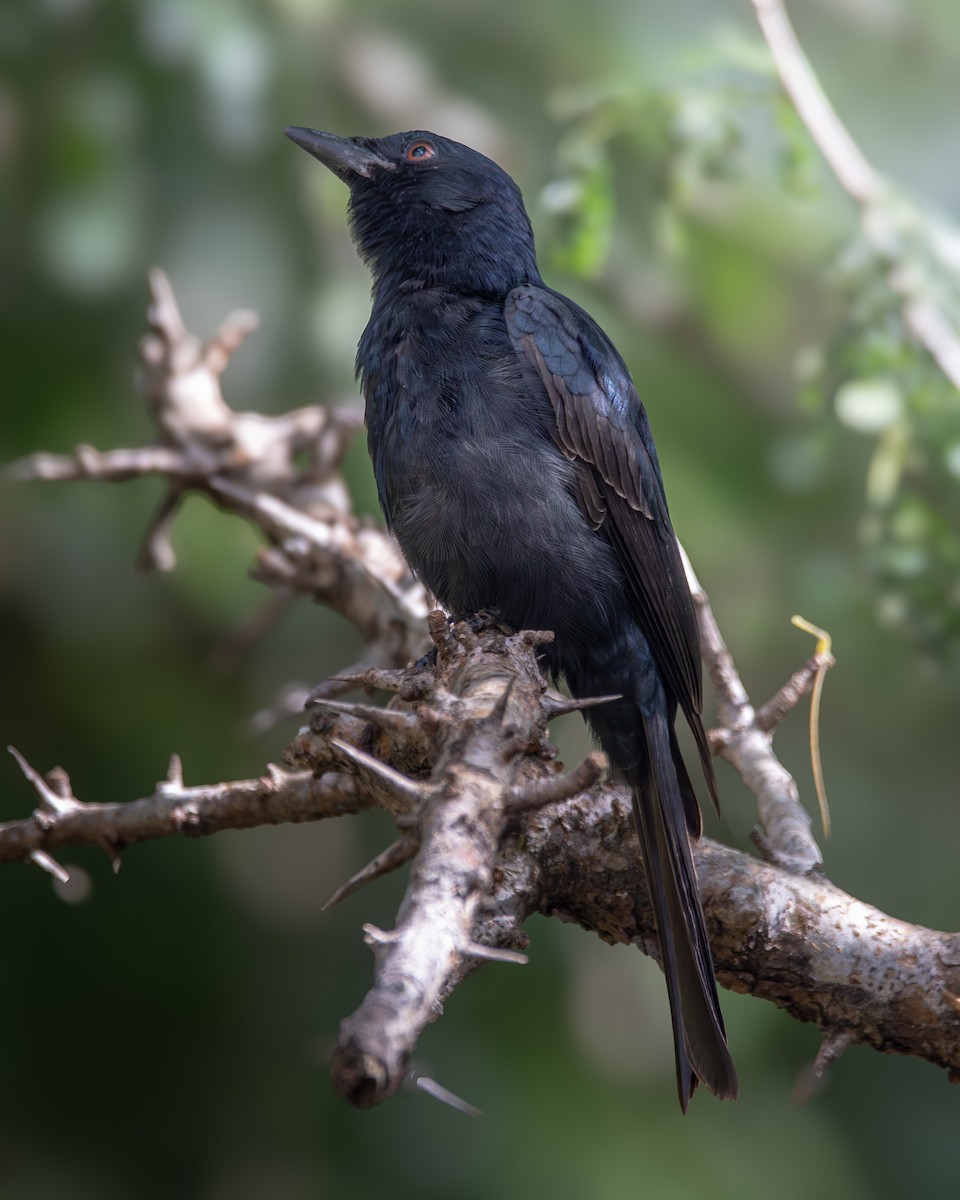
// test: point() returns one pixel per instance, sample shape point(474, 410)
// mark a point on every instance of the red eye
point(420, 151)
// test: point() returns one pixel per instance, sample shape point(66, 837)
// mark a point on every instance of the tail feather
point(691, 806)
point(637, 732)
point(660, 813)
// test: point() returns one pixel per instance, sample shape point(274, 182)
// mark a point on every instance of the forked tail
point(658, 808)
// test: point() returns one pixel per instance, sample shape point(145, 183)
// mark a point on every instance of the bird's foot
point(479, 622)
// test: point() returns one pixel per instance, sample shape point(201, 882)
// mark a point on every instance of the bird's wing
point(602, 423)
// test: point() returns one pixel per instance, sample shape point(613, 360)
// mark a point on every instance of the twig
point(770, 715)
point(785, 837)
point(277, 798)
point(879, 214)
point(844, 157)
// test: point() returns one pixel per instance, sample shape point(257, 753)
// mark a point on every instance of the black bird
point(516, 467)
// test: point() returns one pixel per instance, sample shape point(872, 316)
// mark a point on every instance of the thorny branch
point(278, 797)
point(461, 760)
point(281, 473)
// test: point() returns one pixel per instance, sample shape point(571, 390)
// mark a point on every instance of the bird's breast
point(471, 479)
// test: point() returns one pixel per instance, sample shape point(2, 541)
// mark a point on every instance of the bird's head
point(428, 210)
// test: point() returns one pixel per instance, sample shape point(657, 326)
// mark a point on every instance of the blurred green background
point(167, 1036)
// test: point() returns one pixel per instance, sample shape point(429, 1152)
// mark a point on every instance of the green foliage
point(909, 530)
point(717, 133)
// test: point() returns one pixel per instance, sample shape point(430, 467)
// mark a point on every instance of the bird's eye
point(420, 151)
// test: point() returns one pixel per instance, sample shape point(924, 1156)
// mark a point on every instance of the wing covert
point(593, 397)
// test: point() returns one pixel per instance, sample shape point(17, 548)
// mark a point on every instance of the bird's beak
point(345, 157)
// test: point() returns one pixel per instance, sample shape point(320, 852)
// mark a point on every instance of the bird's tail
point(660, 787)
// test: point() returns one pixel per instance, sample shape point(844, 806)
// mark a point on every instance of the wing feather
point(601, 421)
